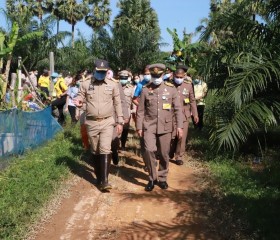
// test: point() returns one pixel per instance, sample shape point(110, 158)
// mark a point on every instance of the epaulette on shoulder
point(187, 81)
point(147, 85)
point(169, 84)
point(87, 78)
point(114, 80)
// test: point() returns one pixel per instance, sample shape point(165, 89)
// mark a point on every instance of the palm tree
point(99, 15)
point(73, 12)
point(137, 15)
point(243, 72)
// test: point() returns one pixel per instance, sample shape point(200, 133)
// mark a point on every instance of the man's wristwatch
point(120, 123)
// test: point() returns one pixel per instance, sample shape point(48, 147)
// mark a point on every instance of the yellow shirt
point(60, 86)
point(44, 81)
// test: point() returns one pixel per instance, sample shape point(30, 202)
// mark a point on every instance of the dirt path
point(130, 213)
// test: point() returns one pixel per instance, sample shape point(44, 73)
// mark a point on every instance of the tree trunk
point(57, 26)
point(73, 33)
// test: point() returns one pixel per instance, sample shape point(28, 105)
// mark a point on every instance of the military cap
point(157, 68)
point(181, 66)
point(101, 65)
point(124, 73)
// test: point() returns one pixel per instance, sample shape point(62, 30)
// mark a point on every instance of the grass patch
point(30, 180)
point(251, 192)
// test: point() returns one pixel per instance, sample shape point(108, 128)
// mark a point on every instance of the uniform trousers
point(181, 143)
point(125, 133)
point(100, 135)
point(115, 140)
point(160, 144)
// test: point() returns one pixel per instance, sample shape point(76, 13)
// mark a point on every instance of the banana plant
point(6, 51)
point(8, 43)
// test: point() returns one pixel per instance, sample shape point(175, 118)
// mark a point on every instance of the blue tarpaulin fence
point(21, 130)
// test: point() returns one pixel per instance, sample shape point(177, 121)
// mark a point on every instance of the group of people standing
point(161, 104)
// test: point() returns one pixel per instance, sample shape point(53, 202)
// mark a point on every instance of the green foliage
point(11, 41)
point(29, 182)
point(255, 195)
point(247, 192)
point(242, 69)
point(134, 41)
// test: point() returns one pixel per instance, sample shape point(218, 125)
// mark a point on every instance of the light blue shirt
point(72, 92)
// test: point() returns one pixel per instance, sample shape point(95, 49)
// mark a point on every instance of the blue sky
point(179, 14)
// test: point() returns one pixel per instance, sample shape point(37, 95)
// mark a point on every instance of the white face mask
point(157, 81)
point(178, 80)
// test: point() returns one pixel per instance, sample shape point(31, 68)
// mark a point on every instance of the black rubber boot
point(124, 137)
point(96, 165)
point(115, 157)
point(105, 162)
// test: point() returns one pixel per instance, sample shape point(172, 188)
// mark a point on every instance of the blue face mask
point(146, 78)
point(196, 81)
point(166, 76)
point(99, 75)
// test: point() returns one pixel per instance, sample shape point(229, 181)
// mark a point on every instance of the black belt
point(98, 119)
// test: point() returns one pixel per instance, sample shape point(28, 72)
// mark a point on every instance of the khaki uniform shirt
point(187, 99)
point(156, 107)
point(102, 98)
point(123, 101)
point(128, 93)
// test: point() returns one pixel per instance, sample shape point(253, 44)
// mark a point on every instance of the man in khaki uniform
point(102, 99)
point(116, 136)
point(188, 104)
point(157, 103)
point(128, 90)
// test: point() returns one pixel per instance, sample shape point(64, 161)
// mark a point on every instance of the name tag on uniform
point(187, 100)
point(151, 93)
point(166, 106)
point(108, 88)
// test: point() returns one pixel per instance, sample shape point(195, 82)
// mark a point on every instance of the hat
point(157, 68)
point(184, 67)
point(124, 73)
point(101, 65)
point(54, 75)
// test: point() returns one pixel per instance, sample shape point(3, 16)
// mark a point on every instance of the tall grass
point(251, 189)
point(30, 180)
